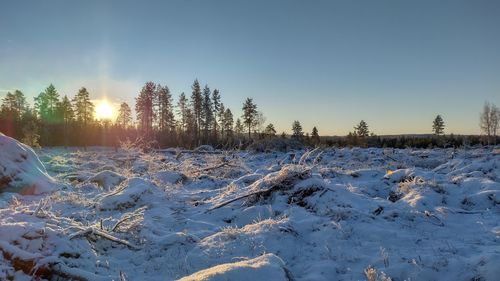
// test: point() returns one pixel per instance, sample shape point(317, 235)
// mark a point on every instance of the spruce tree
point(315, 136)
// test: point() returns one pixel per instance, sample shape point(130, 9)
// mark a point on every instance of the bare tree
point(488, 121)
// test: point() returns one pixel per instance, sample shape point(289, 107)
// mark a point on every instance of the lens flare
point(103, 110)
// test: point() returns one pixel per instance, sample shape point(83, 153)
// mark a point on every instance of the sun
point(103, 110)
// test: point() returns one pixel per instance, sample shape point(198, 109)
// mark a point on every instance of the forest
point(198, 119)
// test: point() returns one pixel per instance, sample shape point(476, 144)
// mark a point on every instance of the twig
point(93, 230)
point(242, 197)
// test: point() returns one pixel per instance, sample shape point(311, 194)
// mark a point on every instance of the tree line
point(200, 118)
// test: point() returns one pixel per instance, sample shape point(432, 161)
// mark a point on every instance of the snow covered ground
point(334, 214)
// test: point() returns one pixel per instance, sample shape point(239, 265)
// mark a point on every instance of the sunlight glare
point(103, 110)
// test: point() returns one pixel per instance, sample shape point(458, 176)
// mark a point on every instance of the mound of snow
point(20, 169)
point(107, 179)
point(204, 148)
point(129, 195)
point(265, 267)
point(170, 177)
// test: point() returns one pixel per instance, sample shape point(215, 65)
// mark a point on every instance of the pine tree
point(297, 132)
point(164, 109)
point(362, 129)
point(238, 127)
point(249, 115)
point(66, 115)
point(221, 115)
point(197, 107)
point(83, 107)
point(438, 126)
point(315, 136)
point(11, 111)
point(182, 108)
point(270, 131)
point(207, 112)
point(144, 108)
point(124, 118)
point(216, 106)
point(227, 126)
point(46, 105)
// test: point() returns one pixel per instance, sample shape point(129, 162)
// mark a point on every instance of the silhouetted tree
point(438, 126)
point(216, 107)
point(207, 112)
point(124, 118)
point(144, 109)
point(315, 140)
point(197, 107)
point(488, 121)
point(270, 131)
point(297, 132)
point(362, 129)
point(249, 114)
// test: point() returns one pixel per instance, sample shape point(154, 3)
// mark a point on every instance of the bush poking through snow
point(265, 267)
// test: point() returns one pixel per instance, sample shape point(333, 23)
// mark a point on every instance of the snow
point(325, 214)
point(266, 267)
point(21, 170)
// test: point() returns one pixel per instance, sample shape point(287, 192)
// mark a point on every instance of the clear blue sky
point(395, 64)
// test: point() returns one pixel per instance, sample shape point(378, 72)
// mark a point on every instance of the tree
point(227, 125)
point(488, 120)
point(207, 112)
point(144, 108)
point(362, 129)
point(297, 132)
point(66, 114)
point(249, 115)
point(83, 107)
point(315, 136)
point(164, 108)
point(238, 127)
point(438, 126)
point(270, 131)
point(216, 106)
point(182, 108)
point(11, 111)
point(197, 106)
point(221, 115)
point(124, 118)
point(46, 105)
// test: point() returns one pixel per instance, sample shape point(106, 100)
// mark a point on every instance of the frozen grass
point(332, 214)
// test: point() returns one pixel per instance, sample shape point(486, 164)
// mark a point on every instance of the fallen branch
point(242, 197)
point(95, 231)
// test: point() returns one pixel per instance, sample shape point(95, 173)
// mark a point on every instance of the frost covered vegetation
point(324, 214)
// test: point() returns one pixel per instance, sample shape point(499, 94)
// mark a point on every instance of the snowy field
point(333, 214)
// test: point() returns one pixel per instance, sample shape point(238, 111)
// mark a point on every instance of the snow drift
point(20, 169)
